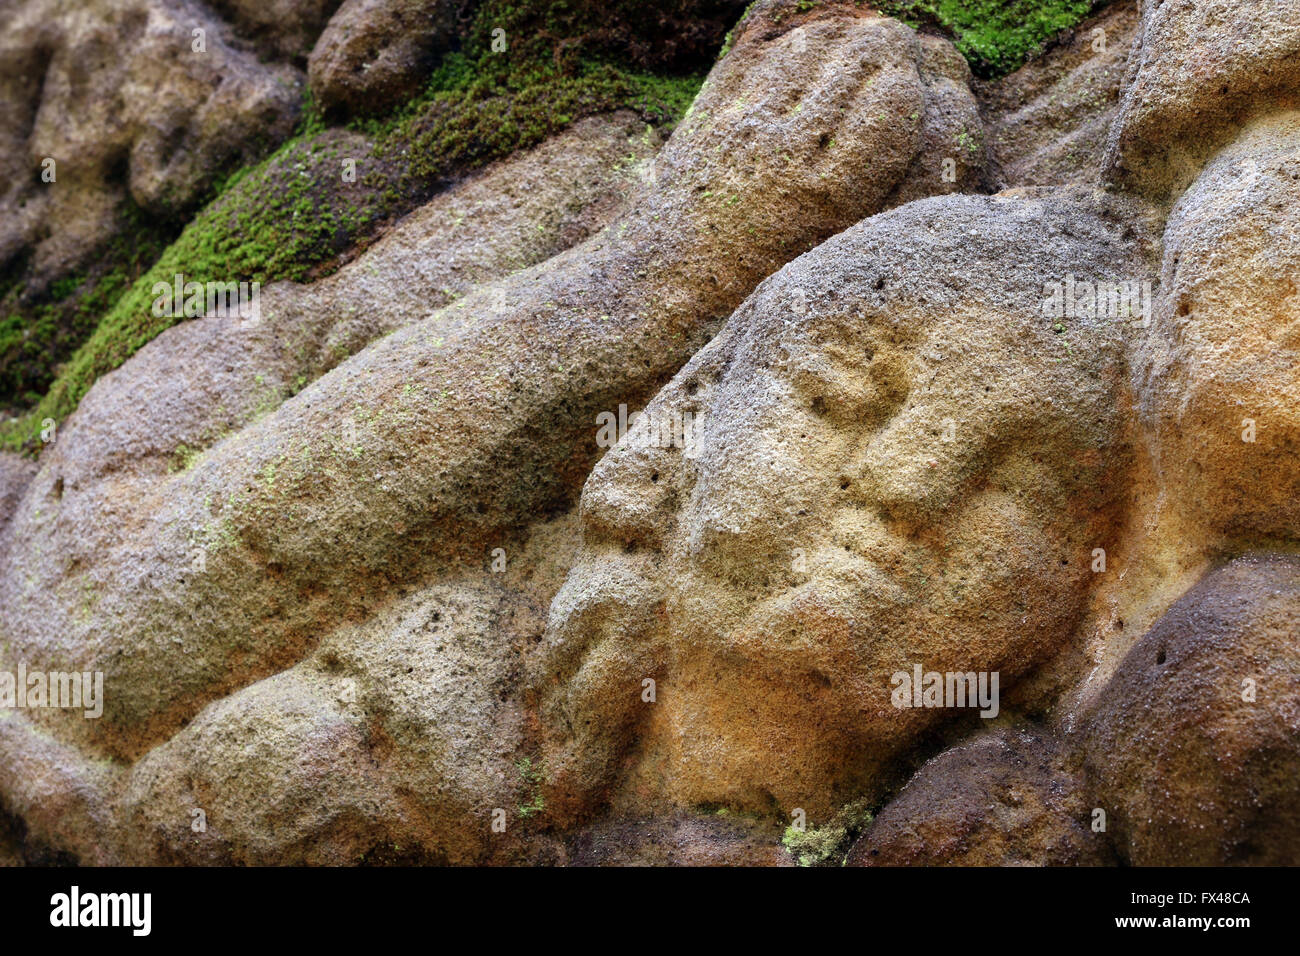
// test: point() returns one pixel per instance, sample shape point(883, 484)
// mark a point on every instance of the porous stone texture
point(678, 840)
point(203, 379)
point(1218, 378)
point(1004, 798)
point(15, 473)
point(1215, 392)
point(287, 29)
point(396, 740)
point(1200, 69)
point(363, 588)
point(413, 459)
point(118, 97)
point(951, 157)
point(1193, 748)
point(901, 462)
point(374, 54)
point(189, 389)
point(64, 800)
point(520, 211)
point(1048, 122)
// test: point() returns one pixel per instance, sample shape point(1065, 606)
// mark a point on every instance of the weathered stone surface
point(287, 29)
point(397, 737)
point(15, 473)
point(350, 609)
point(1218, 378)
point(1193, 748)
point(397, 740)
point(455, 429)
point(203, 379)
point(375, 53)
point(1004, 798)
point(901, 463)
point(1215, 389)
point(678, 840)
point(114, 460)
point(1048, 122)
point(1199, 70)
point(116, 95)
point(64, 800)
point(951, 157)
point(518, 212)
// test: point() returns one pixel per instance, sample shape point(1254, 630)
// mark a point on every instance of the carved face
point(882, 482)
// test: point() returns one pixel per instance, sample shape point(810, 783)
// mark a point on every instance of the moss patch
point(829, 844)
point(41, 328)
point(532, 776)
point(995, 36)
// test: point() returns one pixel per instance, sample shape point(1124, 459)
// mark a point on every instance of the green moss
point(995, 36)
point(487, 120)
point(558, 66)
point(815, 846)
point(277, 220)
point(184, 457)
point(727, 42)
point(39, 332)
point(532, 776)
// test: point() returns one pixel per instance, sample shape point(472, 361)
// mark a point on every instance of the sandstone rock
point(901, 463)
point(375, 53)
point(677, 840)
point(1048, 122)
point(392, 737)
point(1189, 770)
point(1004, 798)
point(333, 566)
point(15, 473)
point(287, 29)
point(117, 96)
point(1215, 389)
point(401, 739)
point(952, 156)
point(64, 800)
point(280, 542)
point(1218, 378)
point(462, 427)
point(519, 212)
point(203, 379)
point(1199, 70)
